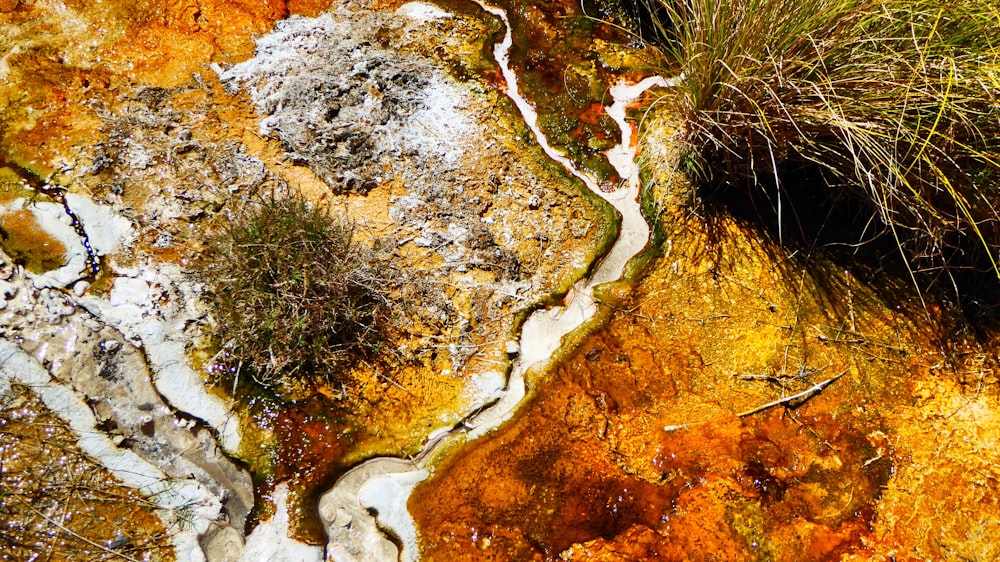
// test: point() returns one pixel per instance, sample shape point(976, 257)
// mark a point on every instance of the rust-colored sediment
point(309, 443)
point(29, 245)
point(633, 448)
point(89, 53)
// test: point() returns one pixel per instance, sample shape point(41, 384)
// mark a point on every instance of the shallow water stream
point(382, 485)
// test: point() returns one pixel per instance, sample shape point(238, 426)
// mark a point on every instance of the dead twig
point(778, 377)
point(795, 400)
point(631, 311)
point(706, 319)
point(852, 337)
point(79, 536)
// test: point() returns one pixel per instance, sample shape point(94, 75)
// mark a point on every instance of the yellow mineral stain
point(25, 241)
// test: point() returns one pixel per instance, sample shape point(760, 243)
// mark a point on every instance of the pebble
point(80, 287)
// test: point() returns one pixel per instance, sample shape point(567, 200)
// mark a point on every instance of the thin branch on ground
point(795, 400)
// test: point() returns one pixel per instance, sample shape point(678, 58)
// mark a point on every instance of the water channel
point(382, 485)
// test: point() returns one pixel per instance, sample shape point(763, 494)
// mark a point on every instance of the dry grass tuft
point(296, 294)
point(893, 102)
point(56, 503)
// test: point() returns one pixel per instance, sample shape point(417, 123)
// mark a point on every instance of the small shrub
point(296, 295)
point(892, 102)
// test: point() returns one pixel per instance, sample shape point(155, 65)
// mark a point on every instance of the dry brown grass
point(296, 294)
point(56, 503)
point(890, 102)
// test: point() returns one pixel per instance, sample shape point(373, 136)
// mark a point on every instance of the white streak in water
point(271, 542)
point(384, 484)
point(542, 333)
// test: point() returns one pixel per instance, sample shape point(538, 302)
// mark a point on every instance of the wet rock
point(352, 532)
point(153, 310)
point(7, 292)
point(106, 230)
point(270, 541)
point(80, 287)
point(76, 352)
point(222, 544)
point(55, 305)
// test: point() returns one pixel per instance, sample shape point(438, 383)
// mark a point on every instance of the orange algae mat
point(634, 446)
